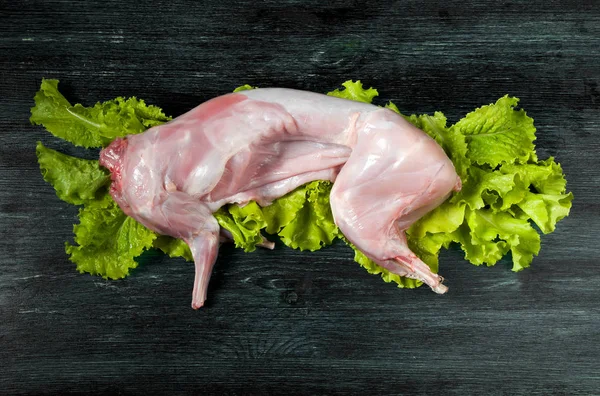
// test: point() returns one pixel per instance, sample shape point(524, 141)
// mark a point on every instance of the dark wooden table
point(288, 322)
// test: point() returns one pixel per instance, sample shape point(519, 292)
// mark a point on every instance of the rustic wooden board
point(288, 322)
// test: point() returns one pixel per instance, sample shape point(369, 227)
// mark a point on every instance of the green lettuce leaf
point(244, 223)
point(545, 176)
point(303, 218)
point(91, 126)
point(489, 230)
point(76, 181)
point(548, 203)
point(445, 219)
point(284, 210)
point(546, 209)
point(390, 105)
point(244, 87)
point(107, 240)
point(478, 251)
point(354, 90)
point(312, 227)
point(485, 183)
point(173, 247)
point(497, 133)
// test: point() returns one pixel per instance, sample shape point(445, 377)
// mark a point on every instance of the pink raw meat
point(263, 143)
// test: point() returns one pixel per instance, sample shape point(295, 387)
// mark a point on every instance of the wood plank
point(287, 321)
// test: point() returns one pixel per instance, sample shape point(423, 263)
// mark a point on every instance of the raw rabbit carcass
point(263, 143)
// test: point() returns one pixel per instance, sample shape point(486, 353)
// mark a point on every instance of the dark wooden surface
point(287, 322)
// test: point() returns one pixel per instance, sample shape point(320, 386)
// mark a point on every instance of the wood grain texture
point(288, 322)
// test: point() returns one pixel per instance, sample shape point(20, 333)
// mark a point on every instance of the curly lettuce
point(107, 241)
point(94, 126)
point(506, 189)
point(507, 192)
